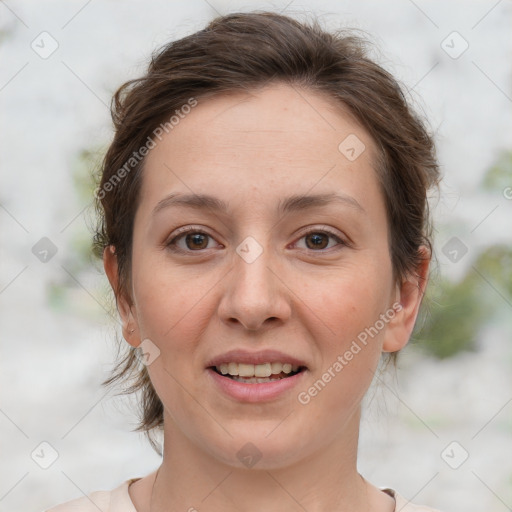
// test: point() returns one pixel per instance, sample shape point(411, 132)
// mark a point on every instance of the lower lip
point(263, 392)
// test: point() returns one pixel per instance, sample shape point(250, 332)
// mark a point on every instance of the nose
point(255, 296)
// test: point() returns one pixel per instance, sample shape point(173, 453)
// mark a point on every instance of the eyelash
point(191, 230)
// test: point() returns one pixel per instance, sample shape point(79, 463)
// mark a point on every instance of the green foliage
point(83, 177)
point(453, 314)
point(450, 319)
point(495, 265)
point(83, 174)
point(6, 33)
point(56, 295)
point(499, 176)
point(64, 294)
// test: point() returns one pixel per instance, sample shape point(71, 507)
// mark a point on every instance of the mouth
point(256, 377)
point(257, 373)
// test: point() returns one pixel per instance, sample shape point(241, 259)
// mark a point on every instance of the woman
point(264, 226)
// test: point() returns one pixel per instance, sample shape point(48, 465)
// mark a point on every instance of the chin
point(258, 451)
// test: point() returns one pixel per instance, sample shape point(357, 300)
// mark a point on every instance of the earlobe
point(124, 307)
point(410, 292)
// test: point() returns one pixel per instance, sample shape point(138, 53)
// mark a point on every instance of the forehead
point(262, 143)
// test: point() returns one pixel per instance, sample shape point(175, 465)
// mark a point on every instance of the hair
point(247, 51)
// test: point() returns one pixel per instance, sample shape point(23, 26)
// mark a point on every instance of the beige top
point(118, 500)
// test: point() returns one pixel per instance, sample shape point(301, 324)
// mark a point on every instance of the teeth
point(262, 370)
point(233, 369)
point(245, 370)
point(287, 368)
point(276, 368)
point(255, 370)
point(254, 380)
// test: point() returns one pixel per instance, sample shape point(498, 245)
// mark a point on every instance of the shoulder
point(116, 500)
point(403, 505)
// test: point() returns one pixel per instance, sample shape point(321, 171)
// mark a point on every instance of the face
point(284, 267)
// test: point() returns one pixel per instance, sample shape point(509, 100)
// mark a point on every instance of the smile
point(257, 373)
point(262, 376)
point(250, 388)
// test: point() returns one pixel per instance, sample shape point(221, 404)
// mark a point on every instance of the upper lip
point(260, 357)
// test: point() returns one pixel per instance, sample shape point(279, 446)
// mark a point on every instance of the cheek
point(351, 308)
point(171, 302)
point(172, 311)
point(351, 301)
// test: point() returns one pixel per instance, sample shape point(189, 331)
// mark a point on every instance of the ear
point(124, 304)
point(409, 295)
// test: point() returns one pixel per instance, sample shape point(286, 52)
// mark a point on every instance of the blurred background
point(438, 429)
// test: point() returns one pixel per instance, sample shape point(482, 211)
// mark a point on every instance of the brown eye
point(196, 241)
point(317, 240)
point(191, 240)
point(320, 240)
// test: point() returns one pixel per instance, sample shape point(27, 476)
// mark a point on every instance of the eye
point(190, 240)
point(319, 240)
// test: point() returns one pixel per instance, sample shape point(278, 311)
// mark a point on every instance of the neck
point(191, 479)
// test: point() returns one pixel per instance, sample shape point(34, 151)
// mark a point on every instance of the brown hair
point(247, 51)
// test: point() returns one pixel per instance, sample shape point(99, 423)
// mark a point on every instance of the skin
point(252, 150)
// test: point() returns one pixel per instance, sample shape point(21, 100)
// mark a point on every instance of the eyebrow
point(290, 204)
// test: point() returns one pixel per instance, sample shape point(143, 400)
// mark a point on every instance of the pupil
point(317, 240)
point(197, 238)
